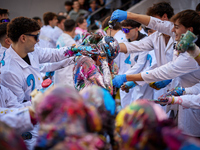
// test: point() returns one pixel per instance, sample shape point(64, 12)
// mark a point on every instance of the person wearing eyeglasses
point(4, 15)
point(183, 65)
point(142, 61)
point(20, 71)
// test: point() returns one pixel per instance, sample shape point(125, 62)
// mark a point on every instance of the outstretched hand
point(119, 15)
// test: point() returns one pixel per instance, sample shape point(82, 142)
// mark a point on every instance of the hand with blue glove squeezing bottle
point(128, 85)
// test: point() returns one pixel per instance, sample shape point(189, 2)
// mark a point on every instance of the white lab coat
point(187, 68)
point(22, 78)
point(163, 52)
point(119, 60)
point(123, 67)
point(2, 50)
point(56, 33)
point(64, 76)
point(9, 100)
point(19, 119)
point(46, 37)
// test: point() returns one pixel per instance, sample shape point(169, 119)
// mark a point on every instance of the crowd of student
point(132, 84)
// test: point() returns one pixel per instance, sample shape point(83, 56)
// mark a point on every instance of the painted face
point(178, 29)
point(131, 33)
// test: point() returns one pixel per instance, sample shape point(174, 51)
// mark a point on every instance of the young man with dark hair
point(46, 32)
point(21, 72)
point(68, 7)
point(59, 28)
point(39, 20)
point(4, 15)
point(182, 66)
point(66, 39)
point(198, 8)
point(76, 12)
point(160, 9)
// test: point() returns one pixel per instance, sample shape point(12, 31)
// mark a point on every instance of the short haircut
point(69, 24)
point(68, 3)
point(198, 7)
point(60, 18)
point(37, 18)
point(160, 9)
point(3, 29)
point(188, 18)
point(105, 24)
point(48, 16)
point(80, 20)
point(131, 23)
point(19, 26)
point(4, 11)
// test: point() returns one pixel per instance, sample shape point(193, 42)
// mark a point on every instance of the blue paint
point(127, 61)
point(108, 101)
point(28, 81)
point(149, 58)
point(2, 61)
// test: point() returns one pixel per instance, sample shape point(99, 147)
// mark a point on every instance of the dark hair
point(160, 9)
point(48, 16)
point(188, 18)
point(68, 3)
point(4, 11)
point(131, 23)
point(37, 18)
point(21, 25)
point(105, 24)
point(198, 7)
point(3, 29)
point(80, 20)
point(69, 24)
point(60, 18)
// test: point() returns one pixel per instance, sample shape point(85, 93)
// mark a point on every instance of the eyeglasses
point(126, 30)
point(5, 20)
point(36, 37)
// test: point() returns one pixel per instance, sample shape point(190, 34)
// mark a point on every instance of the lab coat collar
point(19, 60)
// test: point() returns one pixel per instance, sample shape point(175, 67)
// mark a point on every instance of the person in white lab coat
point(21, 72)
point(59, 28)
point(131, 30)
point(183, 65)
point(4, 41)
point(46, 32)
point(66, 39)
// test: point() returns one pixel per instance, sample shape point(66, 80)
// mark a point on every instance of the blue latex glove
point(162, 84)
point(119, 15)
point(119, 80)
point(128, 85)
